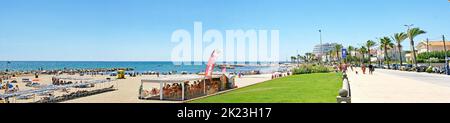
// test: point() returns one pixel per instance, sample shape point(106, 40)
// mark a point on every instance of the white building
point(326, 47)
point(393, 54)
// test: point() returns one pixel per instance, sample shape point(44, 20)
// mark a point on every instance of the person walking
point(344, 68)
point(351, 66)
point(363, 68)
point(371, 69)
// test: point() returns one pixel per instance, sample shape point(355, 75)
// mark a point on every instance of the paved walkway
point(389, 86)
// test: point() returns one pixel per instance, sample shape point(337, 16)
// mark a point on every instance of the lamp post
point(321, 50)
point(413, 52)
point(409, 25)
point(428, 51)
point(446, 57)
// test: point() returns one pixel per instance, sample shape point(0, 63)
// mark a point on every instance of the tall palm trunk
point(400, 54)
point(413, 52)
point(386, 56)
point(362, 59)
point(337, 56)
point(368, 52)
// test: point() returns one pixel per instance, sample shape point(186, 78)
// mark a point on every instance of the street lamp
point(409, 25)
point(321, 50)
point(412, 45)
point(446, 57)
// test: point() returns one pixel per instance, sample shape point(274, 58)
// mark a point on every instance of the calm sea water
point(161, 66)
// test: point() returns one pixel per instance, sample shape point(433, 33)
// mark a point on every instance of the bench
point(344, 92)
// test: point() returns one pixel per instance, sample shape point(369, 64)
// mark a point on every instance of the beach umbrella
point(10, 86)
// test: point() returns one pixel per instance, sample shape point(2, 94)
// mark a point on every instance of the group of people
point(278, 74)
point(57, 81)
point(5, 77)
point(370, 67)
point(8, 89)
point(344, 67)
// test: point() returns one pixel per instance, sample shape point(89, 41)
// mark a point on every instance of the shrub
point(429, 69)
point(433, 57)
point(307, 69)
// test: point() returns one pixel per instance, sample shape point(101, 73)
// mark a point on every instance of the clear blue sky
point(141, 29)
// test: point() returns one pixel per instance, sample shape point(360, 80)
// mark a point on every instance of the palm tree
point(354, 55)
point(303, 58)
point(362, 51)
point(399, 38)
point(350, 49)
point(330, 55)
point(386, 44)
point(308, 57)
point(412, 33)
point(293, 58)
point(313, 57)
point(370, 44)
point(338, 48)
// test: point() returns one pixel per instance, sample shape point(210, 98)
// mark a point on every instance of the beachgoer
point(351, 66)
point(344, 68)
point(16, 88)
point(363, 68)
point(371, 69)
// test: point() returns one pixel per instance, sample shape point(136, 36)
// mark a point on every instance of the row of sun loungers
point(75, 95)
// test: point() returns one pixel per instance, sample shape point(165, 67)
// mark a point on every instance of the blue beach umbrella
point(10, 86)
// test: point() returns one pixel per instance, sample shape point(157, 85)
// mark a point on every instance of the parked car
point(439, 70)
point(384, 66)
point(395, 66)
point(421, 68)
point(406, 67)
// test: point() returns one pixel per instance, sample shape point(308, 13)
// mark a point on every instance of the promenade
point(389, 86)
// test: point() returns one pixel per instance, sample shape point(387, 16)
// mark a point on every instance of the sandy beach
point(127, 89)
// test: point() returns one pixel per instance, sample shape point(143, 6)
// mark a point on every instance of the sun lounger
point(26, 80)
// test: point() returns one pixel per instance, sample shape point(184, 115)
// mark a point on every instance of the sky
point(140, 30)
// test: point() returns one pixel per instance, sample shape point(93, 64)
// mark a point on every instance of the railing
point(344, 92)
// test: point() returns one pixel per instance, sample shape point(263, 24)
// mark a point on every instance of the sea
point(138, 66)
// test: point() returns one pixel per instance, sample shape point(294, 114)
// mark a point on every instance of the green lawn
point(305, 88)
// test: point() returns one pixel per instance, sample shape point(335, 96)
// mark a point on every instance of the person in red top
point(363, 67)
point(344, 68)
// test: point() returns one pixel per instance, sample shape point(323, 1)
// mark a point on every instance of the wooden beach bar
point(176, 79)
